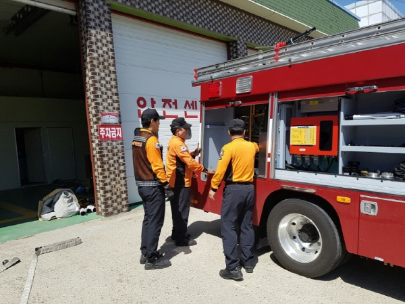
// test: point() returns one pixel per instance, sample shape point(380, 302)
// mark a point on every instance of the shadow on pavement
point(367, 274)
point(195, 229)
point(212, 227)
point(371, 275)
point(171, 250)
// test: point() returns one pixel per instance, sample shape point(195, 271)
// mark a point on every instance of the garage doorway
point(43, 122)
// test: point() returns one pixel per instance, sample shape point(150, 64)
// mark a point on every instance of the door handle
point(369, 208)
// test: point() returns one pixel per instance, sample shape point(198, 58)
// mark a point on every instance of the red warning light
point(214, 89)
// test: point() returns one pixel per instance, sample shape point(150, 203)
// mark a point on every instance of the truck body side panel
point(372, 64)
point(382, 235)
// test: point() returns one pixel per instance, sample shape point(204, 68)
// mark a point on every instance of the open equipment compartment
point(366, 130)
point(372, 133)
point(308, 135)
point(215, 132)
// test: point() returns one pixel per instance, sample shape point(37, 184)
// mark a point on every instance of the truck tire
point(304, 239)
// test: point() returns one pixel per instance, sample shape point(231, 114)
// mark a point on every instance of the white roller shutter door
point(155, 66)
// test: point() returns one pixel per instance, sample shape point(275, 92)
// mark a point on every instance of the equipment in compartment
point(255, 118)
point(314, 135)
point(330, 104)
point(256, 121)
point(387, 115)
point(371, 132)
point(314, 143)
point(216, 127)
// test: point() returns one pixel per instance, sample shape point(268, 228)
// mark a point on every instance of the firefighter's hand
point(211, 195)
point(197, 150)
point(211, 171)
point(169, 192)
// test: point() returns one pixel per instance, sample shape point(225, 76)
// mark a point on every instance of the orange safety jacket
point(180, 163)
point(147, 158)
point(236, 163)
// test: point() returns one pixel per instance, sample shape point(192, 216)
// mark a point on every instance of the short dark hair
point(174, 129)
point(146, 122)
point(236, 131)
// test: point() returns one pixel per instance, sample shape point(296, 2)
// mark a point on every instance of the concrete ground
point(105, 269)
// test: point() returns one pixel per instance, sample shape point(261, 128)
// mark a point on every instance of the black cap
point(237, 124)
point(180, 123)
point(151, 114)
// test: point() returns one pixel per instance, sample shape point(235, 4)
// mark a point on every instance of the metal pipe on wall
point(47, 6)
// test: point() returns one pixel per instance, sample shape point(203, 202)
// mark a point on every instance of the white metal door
point(33, 149)
point(155, 66)
point(61, 153)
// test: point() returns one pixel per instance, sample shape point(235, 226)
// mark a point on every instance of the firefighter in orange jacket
point(236, 167)
point(152, 184)
point(180, 165)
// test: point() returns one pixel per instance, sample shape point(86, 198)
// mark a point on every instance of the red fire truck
point(329, 117)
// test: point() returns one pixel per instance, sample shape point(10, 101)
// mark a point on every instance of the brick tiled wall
point(102, 96)
point(237, 49)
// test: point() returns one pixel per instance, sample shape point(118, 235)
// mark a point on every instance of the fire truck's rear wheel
point(304, 238)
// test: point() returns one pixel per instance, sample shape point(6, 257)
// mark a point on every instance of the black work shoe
point(249, 269)
point(143, 259)
point(234, 274)
point(158, 263)
point(187, 236)
point(186, 242)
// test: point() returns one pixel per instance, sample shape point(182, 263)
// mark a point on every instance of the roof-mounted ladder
point(371, 37)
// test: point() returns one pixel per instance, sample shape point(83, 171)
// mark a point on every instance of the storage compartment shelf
point(376, 144)
point(371, 149)
point(376, 185)
point(373, 122)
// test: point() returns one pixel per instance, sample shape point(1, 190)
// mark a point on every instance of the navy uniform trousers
point(180, 205)
point(154, 207)
point(237, 209)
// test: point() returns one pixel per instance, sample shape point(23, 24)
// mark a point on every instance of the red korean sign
point(110, 132)
point(169, 105)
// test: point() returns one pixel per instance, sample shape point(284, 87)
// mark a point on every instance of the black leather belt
point(239, 183)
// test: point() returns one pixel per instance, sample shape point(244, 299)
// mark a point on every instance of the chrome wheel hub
point(300, 238)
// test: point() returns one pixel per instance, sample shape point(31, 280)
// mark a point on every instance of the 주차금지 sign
point(110, 132)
